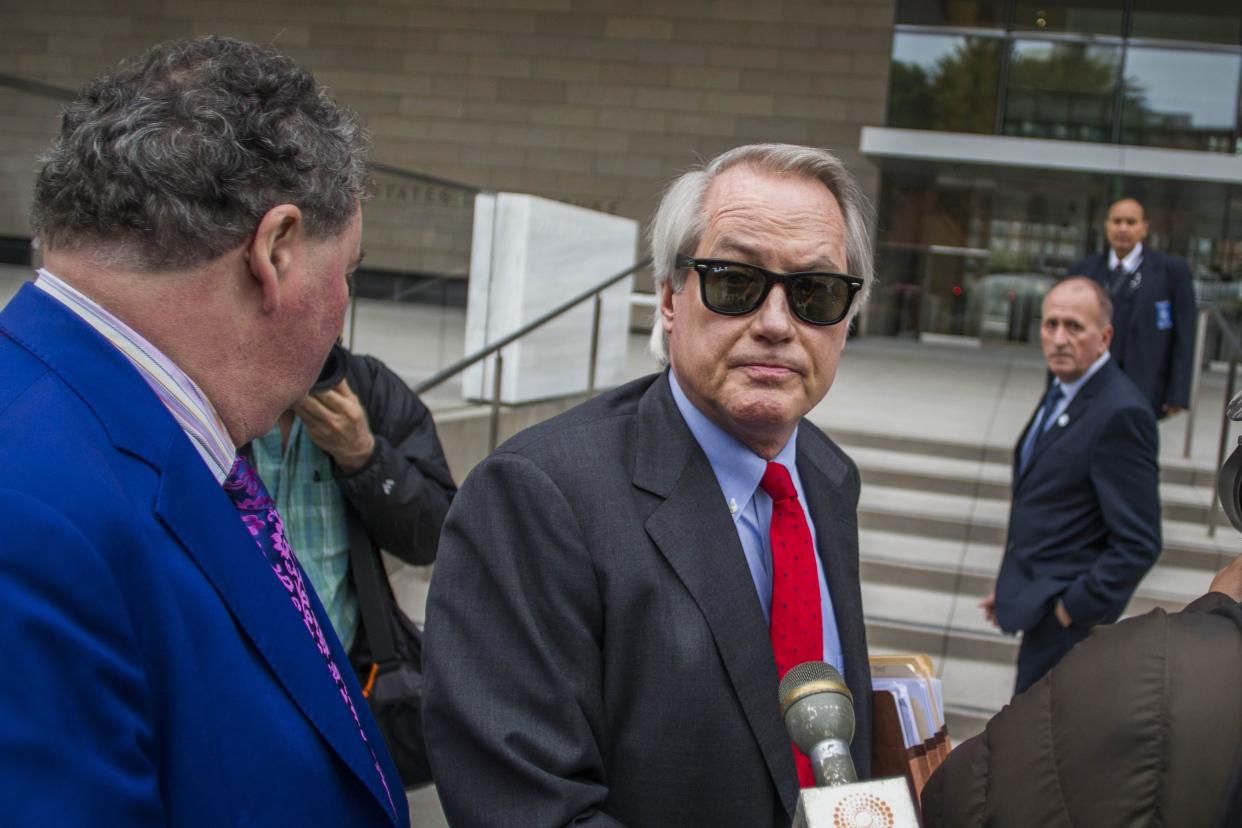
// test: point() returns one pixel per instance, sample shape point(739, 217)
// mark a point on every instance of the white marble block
point(529, 255)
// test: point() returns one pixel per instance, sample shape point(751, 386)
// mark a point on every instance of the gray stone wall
point(595, 102)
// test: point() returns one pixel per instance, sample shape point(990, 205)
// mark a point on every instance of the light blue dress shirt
point(738, 471)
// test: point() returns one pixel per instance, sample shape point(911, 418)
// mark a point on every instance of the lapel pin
point(1063, 420)
point(732, 506)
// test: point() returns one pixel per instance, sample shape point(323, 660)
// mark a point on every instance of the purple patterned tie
point(258, 513)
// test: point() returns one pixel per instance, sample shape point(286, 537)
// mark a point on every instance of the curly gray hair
point(176, 154)
point(679, 221)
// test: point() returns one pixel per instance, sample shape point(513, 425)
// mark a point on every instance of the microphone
point(818, 710)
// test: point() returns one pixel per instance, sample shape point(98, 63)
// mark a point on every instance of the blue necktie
point(1040, 425)
point(1117, 278)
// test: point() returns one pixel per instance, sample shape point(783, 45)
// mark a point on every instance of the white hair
point(679, 221)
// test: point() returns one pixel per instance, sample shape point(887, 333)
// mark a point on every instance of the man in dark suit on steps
point(1153, 308)
point(1084, 527)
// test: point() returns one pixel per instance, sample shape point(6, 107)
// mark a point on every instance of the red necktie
point(797, 627)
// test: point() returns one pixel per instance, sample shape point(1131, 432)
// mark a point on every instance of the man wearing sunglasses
point(620, 589)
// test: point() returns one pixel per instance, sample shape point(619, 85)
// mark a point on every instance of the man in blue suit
point(1084, 527)
point(165, 662)
point(1153, 299)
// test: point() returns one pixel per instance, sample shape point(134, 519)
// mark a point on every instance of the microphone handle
point(832, 764)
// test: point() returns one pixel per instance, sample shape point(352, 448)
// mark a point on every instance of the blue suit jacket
point(154, 672)
point(1160, 342)
point(1085, 521)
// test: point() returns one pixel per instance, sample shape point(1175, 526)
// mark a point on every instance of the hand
point(336, 422)
point(1229, 580)
point(988, 605)
point(1063, 616)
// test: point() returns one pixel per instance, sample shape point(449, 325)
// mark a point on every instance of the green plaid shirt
point(313, 510)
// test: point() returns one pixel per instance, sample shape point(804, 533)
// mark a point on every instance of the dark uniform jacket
point(1156, 347)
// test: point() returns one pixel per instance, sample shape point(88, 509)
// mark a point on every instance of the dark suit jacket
point(154, 670)
point(1085, 521)
point(1160, 357)
point(595, 651)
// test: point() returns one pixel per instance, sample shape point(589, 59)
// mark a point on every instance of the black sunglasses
point(735, 288)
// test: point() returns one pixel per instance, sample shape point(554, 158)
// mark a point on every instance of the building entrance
point(970, 250)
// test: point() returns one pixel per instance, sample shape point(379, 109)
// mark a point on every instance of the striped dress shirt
point(179, 394)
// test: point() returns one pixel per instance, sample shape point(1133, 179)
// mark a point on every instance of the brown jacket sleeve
point(1139, 725)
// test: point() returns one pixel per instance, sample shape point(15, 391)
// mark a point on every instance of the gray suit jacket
point(595, 651)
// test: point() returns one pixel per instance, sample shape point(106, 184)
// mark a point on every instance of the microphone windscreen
point(813, 676)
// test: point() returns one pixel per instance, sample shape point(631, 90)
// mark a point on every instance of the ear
point(666, 306)
point(276, 246)
point(1108, 336)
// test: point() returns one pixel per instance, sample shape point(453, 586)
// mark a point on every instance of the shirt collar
point(1130, 262)
point(182, 397)
point(1072, 388)
point(738, 470)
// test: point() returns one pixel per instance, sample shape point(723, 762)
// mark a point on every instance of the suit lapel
point(692, 528)
point(1017, 449)
point(195, 510)
point(836, 532)
point(1070, 418)
point(1101, 271)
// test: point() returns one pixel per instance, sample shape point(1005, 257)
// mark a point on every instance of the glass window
point(1102, 17)
point(1207, 21)
point(977, 13)
point(1231, 247)
point(1181, 99)
point(944, 82)
point(1061, 90)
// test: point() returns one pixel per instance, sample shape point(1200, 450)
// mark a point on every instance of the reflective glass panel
point(1182, 99)
point(1061, 90)
point(977, 13)
point(944, 82)
point(1103, 17)
point(1229, 263)
point(409, 306)
point(1207, 21)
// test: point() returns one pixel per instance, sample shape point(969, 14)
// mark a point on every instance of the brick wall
point(596, 102)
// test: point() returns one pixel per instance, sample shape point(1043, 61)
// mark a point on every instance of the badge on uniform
point(1164, 315)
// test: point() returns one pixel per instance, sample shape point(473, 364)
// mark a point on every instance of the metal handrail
point(61, 93)
point(1234, 348)
point(465, 362)
point(34, 87)
point(398, 172)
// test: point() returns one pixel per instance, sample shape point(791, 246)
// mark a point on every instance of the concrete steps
point(933, 517)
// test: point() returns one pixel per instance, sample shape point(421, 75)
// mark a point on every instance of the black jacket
point(403, 492)
point(1160, 339)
